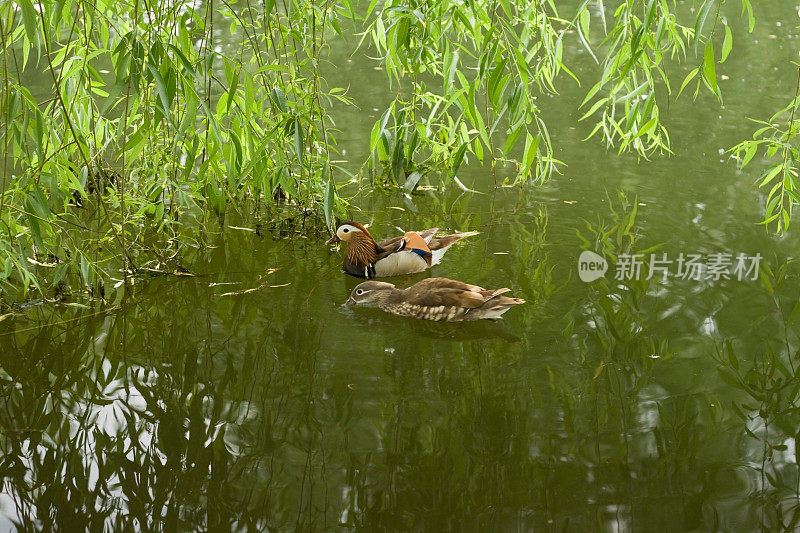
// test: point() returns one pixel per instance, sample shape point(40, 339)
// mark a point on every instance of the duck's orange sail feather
point(414, 241)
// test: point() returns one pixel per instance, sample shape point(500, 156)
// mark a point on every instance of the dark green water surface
point(611, 406)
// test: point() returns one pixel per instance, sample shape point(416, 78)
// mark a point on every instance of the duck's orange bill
point(333, 240)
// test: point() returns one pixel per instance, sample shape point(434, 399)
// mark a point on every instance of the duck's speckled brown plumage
point(405, 254)
point(438, 299)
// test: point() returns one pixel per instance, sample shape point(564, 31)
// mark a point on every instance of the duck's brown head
point(348, 230)
point(370, 292)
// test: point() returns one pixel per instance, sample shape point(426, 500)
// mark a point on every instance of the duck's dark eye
point(345, 230)
point(359, 291)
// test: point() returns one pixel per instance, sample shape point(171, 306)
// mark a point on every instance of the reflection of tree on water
point(195, 410)
point(768, 400)
point(685, 444)
point(218, 411)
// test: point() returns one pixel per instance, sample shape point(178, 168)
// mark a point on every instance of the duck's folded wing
point(429, 284)
point(427, 234)
point(390, 244)
point(386, 252)
point(488, 295)
point(447, 297)
point(410, 242)
point(414, 240)
point(446, 241)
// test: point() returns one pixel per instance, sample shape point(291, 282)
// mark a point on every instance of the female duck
point(404, 254)
point(439, 299)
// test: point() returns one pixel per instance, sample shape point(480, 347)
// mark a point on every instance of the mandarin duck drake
point(410, 253)
point(438, 299)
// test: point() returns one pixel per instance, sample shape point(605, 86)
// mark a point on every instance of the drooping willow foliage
point(637, 46)
point(151, 123)
point(777, 139)
point(489, 60)
point(152, 127)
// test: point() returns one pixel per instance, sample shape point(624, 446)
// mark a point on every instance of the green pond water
point(660, 405)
